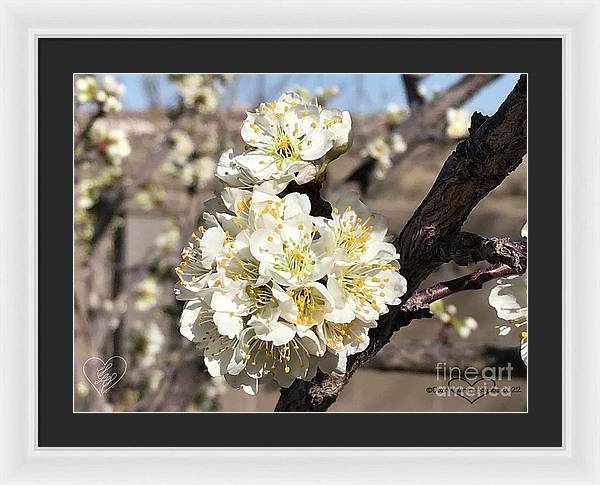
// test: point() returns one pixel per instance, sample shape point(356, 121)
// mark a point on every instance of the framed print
point(283, 246)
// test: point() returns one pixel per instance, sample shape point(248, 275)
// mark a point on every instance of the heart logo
point(471, 392)
point(103, 376)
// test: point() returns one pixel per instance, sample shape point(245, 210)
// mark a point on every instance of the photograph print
point(300, 242)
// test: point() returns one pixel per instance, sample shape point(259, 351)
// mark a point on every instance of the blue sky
point(358, 92)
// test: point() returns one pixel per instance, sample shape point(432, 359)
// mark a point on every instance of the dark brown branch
point(478, 165)
point(427, 123)
point(411, 86)
point(468, 248)
point(474, 281)
point(82, 137)
point(422, 357)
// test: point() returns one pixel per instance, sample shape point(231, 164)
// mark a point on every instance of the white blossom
point(169, 237)
point(112, 105)
point(466, 326)
point(380, 151)
point(86, 89)
point(273, 292)
point(183, 147)
point(146, 292)
point(458, 122)
point(396, 114)
point(197, 91)
point(111, 143)
point(107, 96)
point(112, 87)
point(448, 314)
point(284, 137)
point(286, 140)
point(235, 175)
point(147, 339)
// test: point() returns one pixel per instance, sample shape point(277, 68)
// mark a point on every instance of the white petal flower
point(182, 147)
point(524, 351)
point(112, 105)
point(112, 143)
point(147, 292)
point(199, 259)
point(286, 139)
point(331, 362)
point(466, 326)
point(364, 290)
point(229, 309)
point(304, 305)
point(398, 143)
point(197, 91)
point(380, 151)
point(350, 337)
point(269, 328)
point(396, 114)
point(169, 238)
point(269, 211)
point(285, 363)
point(503, 329)
point(339, 125)
point(235, 175)
point(247, 303)
point(243, 381)
point(112, 87)
point(284, 142)
point(509, 298)
point(239, 209)
point(85, 89)
point(197, 325)
point(356, 232)
point(289, 253)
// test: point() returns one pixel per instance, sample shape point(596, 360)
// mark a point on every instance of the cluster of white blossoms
point(448, 315)
point(107, 95)
point(396, 114)
point(382, 149)
point(110, 143)
point(509, 298)
point(286, 140)
point(198, 91)
point(271, 291)
point(147, 292)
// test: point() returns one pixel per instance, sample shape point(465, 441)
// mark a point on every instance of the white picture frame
point(577, 23)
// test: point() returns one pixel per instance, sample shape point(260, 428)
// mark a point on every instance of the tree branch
point(467, 248)
point(474, 281)
point(411, 86)
point(427, 123)
point(478, 165)
point(422, 357)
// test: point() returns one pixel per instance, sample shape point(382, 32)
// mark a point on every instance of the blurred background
point(145, 151)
